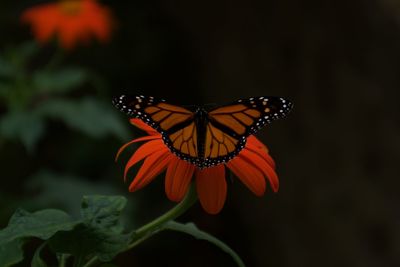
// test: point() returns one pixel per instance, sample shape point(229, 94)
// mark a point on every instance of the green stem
point(62, 260)
point(91, 262)
point(148, 230)
point(173, 213)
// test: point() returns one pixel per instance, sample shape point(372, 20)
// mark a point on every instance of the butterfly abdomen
point(200, 119)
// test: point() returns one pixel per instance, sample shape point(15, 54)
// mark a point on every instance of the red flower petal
point(178, 177)
point(101, 22)
point(140, 139)
point(43, 19)
point(144, 151)
point(253, 144)
point(152, 166)
point(253, 140)
point(73, 21)
point(248, 174)
point(258, 162)
point(211, 188)
point(69, 32)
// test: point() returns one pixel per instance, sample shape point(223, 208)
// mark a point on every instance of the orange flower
point(252, 165)
point(73, 21)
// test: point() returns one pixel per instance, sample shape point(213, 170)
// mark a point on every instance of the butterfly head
point(200, 112)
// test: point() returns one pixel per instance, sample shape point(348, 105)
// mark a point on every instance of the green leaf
point(11, 253)
point(100, 234)
point(60, 81)
point(192, 230)
point(41, 224)
point(87, 115)
point(103, 211)
point(37, 260)
point(102, 243)
point(27, 127)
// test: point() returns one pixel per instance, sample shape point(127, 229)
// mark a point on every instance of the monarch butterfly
point(205, 137)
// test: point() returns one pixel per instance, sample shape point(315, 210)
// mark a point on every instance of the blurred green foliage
point(48, 183)
point(34, 96)
point(35, 93)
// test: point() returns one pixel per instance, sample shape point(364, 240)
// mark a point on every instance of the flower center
point(70, 7)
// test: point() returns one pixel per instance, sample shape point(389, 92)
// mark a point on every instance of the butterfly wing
point(225, 131)
point(176, 124)
point(219, 145)
point(229, 125)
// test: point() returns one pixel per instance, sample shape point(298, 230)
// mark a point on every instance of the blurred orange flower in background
point(71, 21)
point(252, 166)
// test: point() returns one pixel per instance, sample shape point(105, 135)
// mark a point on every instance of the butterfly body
point(201, 122)
point(205, 137)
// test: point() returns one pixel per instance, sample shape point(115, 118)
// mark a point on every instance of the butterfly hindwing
point(185, 140)
point(219, 146)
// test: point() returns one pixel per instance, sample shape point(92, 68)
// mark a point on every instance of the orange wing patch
point(151, 109)
point(160, 115)
point(243, 118)
point(253, 112)
point(236, 117)
point(174, 119)
point(185, 140)
point(173, 108)
point(218, 143)
point(167, 115)
point(228, 109)
point(231, 122)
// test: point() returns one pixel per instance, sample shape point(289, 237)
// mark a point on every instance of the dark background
point(337, 153)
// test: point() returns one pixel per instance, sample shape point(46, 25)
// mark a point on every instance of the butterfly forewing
point(175, 124)
point(247, 116)
point(229, 125)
